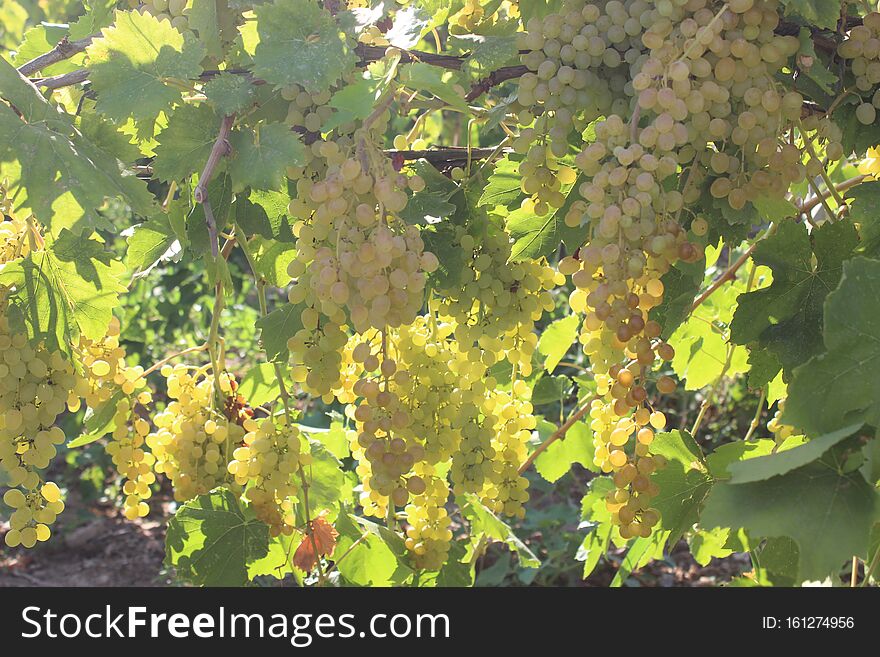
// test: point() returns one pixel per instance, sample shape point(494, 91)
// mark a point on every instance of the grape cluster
point(862, 49)
point(428, 533)
point(497, 302)
point(265, 463)
point(109, 380)
point(33, 512)
point(195, 439)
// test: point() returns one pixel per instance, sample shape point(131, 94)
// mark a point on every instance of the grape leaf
point(820, 13)
point(372, 562)
point(212, 20)
point(786, 317)
point(149, 242)
point(842, 386)
point(55, 159)
point(828, 514)
point(575, 447)
point(328, 485)
point(700, 344)
point(300, 43)
point(131, 64)
point(410, 25)
point(260, 157)
point(39, 40)
point(212, 539)
point(264, 213)
point(557, 339)
point(67, 290)
point(681, 285)
point(684, 483)
point(185, 144)
point(535, 236)
point(596, 519)
point(276, 328)
point(260, 385)
point(863, 213)
point(771, 465)
point(503, 185)
point(484, 521)
point(229, 93)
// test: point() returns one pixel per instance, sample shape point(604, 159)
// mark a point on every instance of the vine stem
point(854, 576)
point(64, 49)
point(167, 359)
point(559, 433)
point(869, 571)
point(841, 187)
point(757, 419)
point(351, 547)
point(808, 145)
point(285, 399)
point(220, 149)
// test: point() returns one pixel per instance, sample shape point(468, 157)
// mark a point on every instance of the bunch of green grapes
point(862, 48)
point(265, 464)
point(108, 379)
point(357, 262)
point(174, 11)
point(579, 62)
point(36, 385)
point(505, 489)
point(780, 431)
point(33, 511)
point(428, 534)
point(497, 301)
point(194, 439)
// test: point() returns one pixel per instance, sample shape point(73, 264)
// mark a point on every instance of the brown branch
point(494, 78)
point(220, 149)
point(64, 49)
point(446, 155)
point(559, 433)
point(65, 80)
point(728, 274)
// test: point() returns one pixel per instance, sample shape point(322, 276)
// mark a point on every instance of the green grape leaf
point(503, 185)
point(214, 22)
point(817, 71)
point(772, 465)
point(437, 81)
point(575, 447)
point(486, 522)
point(98, 421)
point(59, 165)
point(260, 385)
point(536, 236)
point(819, 13)
point(828, 514)
point(681, 284)
point(149, 242)
point(857, 137)
point(641, 551)
point(300, 43)
point(596, 519)
point(440, 240)
point(328, 485)
point(277, 562)
point(185, 144)
point(786, 317)
point(355, 101)
point(557, 339)
point(271, 259)
point(763, 367)
point(372, 561)
point(276, 328)
point(132, 63)
point(710, 544)
point(842, 386)
point(264, 212)
point(863, 212)
point(67, 290)
point(334, 438)
point(230, 93)
point(684, 483)
point(260, 157)
point(212, 539)
point(488, 53)
point(724, 456)
point(700, 344)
